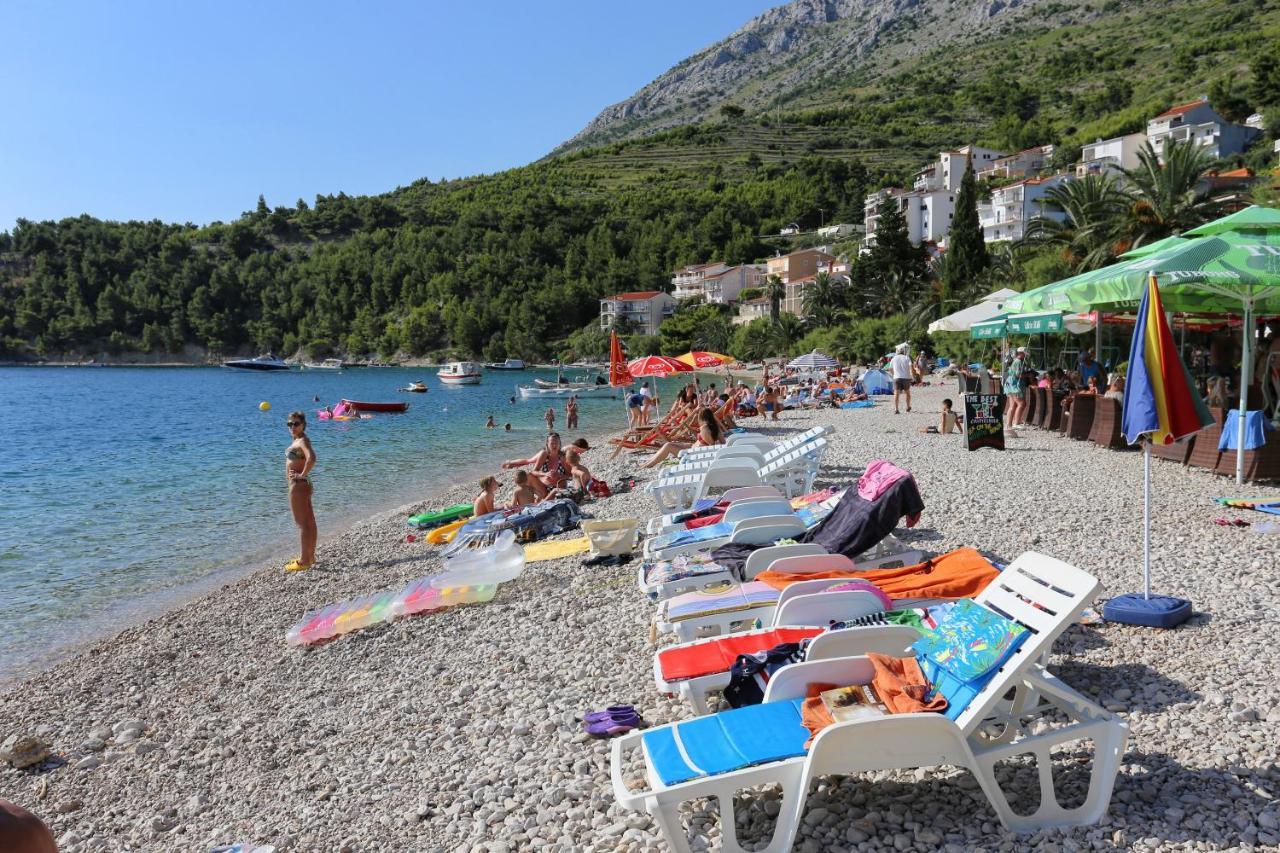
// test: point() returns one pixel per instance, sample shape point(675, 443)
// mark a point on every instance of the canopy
point(988, 329)
point(1151, 248)
point(657, 365)
point(812, 361)
point(698, 358)
point(987, 308)
point(1252, 218)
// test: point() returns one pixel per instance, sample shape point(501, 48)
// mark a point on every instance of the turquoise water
point(127, 487)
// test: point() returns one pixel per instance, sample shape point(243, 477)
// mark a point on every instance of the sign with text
point(984, 421)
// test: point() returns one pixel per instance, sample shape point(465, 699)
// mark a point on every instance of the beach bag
point(750, 673)
point(600, 489)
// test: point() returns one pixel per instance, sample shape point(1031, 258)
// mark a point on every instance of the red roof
point(638, 295)
point(1182, 108)
point(1235, 173)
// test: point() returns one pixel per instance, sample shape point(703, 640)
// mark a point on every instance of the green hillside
point(514, 263)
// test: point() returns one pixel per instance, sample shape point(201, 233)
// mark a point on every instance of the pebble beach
point(459, 729)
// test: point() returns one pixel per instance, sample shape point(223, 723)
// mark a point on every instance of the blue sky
point(187, 111)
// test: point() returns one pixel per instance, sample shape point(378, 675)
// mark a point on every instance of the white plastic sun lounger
point(695, 459)
point(763, 744)
point(752, 523)
point(793, 474)
point(669, 521)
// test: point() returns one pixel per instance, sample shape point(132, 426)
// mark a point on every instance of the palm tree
point(822, 300)
point(1094, 209)
point(1169, 197)
point(776, 291)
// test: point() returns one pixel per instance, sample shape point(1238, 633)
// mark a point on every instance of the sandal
point(607, 713)
point(296, 566)
point(615, 724)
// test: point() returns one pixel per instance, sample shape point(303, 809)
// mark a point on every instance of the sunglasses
point(293, 423)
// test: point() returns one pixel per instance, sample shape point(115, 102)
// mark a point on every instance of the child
point(489, 424)
point(483, 504)
point(947, 425)
point(507, 427)
point(525, 495)
point(577, 470)
point(550, 418)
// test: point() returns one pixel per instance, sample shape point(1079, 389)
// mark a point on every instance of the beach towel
point(536, 552)
point(965, 650)
point(1256, 427)
point(879, 476)
point(679, 568)
point(898, 682)
point(717, 655)
point(726, 599)
point(858, 404)
point(962, 573)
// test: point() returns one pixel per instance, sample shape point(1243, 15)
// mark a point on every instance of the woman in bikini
point(299, 459)
point(550, 470)
point(709, 433)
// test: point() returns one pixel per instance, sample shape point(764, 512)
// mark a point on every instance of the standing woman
point(299, 459)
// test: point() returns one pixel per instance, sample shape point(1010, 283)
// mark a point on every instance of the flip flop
point(607, 713)
point(613, 726)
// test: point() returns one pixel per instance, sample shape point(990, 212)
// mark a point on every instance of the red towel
point(718, 655)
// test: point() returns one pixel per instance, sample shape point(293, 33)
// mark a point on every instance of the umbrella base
point(1158, 611)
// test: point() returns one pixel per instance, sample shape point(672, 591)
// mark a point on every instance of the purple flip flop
point(607, 713)
point(613, 726)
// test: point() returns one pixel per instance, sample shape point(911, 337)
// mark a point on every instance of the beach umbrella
point(657, 365)
point(701, 359)
point(618, 373)
point(987, 308)
point(1152, 248)
point(1161, 404)
point(812, 361)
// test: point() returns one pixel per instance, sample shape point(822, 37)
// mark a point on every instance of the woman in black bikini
point(550, 469)
point(299, 459)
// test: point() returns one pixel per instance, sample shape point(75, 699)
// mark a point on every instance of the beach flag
point(1160, 399)
point(1161, 402)
point(618, 375)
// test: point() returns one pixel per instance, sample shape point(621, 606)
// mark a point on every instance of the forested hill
point(514, 263)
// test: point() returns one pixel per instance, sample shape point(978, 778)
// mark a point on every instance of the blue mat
point(726, 741)
point(698, 534)
point(858, 404)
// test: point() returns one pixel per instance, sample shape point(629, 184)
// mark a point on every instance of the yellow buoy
point(264, 406)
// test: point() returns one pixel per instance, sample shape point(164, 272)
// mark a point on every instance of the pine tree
point(966, 248)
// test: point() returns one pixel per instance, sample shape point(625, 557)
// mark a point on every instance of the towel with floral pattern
point(971, 641)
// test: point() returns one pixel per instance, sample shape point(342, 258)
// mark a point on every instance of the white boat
point(262, 363)
point(327, 364)
point(530, 392)
point(509, 364)
point(459, 373)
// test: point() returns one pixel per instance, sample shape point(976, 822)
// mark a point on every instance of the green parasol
point(1151, 248)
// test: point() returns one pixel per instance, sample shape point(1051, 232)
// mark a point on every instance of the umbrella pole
point(1245, 375)
point(1146, 518)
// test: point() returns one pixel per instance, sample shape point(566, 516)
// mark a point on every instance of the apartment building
point(929, 205)
point(1014, 205)
point(751, 309)
point(1199, 124)
point(643, 310)
point(795, 270)
point(1024, 164)
point(1110, 155)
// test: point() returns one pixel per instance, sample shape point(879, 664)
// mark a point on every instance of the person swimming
point(300, 458)
point(507, 427)
point(489, 424)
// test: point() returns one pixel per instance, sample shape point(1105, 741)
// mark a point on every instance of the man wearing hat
point(1013, 387)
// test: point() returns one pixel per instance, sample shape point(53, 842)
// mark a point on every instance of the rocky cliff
point(778, 57)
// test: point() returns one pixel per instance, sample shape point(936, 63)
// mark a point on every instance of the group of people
point(1089, 378)
point(554, 471)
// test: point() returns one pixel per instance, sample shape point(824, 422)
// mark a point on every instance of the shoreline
point(458, 730)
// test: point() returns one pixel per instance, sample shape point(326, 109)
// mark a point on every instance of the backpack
point(750, 673)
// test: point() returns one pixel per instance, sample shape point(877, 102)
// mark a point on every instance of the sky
point(185, 112)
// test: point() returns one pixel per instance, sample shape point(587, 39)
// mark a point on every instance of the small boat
point(531, 392)
point(362, 406)
point(416, 387)
point(509, 364)
point(327, 364)
point(261, 363)
point(460, 373)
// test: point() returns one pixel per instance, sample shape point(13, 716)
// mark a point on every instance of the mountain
point(777, 58)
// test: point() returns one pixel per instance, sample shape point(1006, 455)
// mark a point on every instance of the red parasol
point(657, 365)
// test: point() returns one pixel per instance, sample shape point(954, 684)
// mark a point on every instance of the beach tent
point(987, 308)
point(876, 382)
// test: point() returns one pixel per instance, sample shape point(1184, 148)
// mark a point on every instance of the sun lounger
point(1205, 453)
point(760, 523)
point(703, 458)
point(718, 756)
point(675, 520)
point(1080, 420)
point(793, 474)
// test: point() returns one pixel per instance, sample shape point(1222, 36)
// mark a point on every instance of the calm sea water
point(124, 488)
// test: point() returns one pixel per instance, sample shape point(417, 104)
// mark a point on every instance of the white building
point(1025, 164)
point(929, 205)
point(752, 309)
point(1197, 122)
point(687, 281)
point(716, 283)
point(643, 310)
point(1110, 155)
point(1013, 206)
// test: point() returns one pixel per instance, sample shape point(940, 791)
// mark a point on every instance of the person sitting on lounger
point(947, 424)
point(709, 433)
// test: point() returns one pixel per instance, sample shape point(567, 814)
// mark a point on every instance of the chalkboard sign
point(984, 421)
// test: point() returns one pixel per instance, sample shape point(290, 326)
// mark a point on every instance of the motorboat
point(460, 373)
point(509, 364)
point(581, 383)
point(363, 406)
point(532, 392)
point(262, 363)
point(416, 387)
point(328, 364)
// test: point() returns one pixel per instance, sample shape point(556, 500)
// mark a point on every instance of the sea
point(124, 491)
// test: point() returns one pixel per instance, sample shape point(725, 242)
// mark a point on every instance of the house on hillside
point(1024, 164)
point(1110, 155)
point(716, 283)
point(642, 310)
point(1198, 123)
point(1013, 206)
point(751, 309)
point(929, 205)
point(795, 269)
point(687, 281)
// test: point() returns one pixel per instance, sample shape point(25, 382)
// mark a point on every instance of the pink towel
point(880, 475)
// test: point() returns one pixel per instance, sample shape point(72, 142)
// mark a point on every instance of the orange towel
point(962, 573)
point(899, 682)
